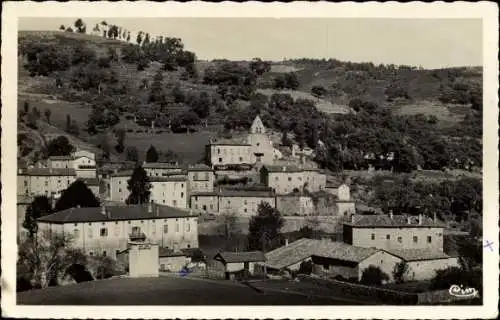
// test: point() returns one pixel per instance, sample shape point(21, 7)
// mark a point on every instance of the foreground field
point(163, 291)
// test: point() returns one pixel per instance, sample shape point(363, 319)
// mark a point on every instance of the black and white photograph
point(166, 157)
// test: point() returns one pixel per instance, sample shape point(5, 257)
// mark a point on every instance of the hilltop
point(158, 93)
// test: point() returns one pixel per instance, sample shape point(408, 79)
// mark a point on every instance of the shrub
point(399, 272)
point(373, 276)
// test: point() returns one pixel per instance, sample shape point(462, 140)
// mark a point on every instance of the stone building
point(108, 230)
point(285, 179)
point(44, 181)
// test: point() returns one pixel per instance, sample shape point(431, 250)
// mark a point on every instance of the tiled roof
point(418, 254)
point(234, 141)
point(166, 252)
point(115, 213)
point(236, 193)
point(160, 165)
point(397, 221)
point(21, 199)
point(90, 181)
point(199, 167)
point(48, 172)
point(62, 158)
point(168, 179)
point(304, 248)
point(125, 173)
point(232, 257)
point(283, 168)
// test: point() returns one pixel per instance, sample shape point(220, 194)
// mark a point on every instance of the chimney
point(352, 218)
point(434, 218)
point(103, 210)
point(283, 168)
point(391, 214)
point(150, 207)
point(19, 170)
point(420, 219)
point(157, 211)
point(286, 242)
point(409, 219)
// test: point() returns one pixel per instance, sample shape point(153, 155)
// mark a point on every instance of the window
point(400, 239)
point(245, 210)
point(119, 182)
point(153, 220)
point(245, 202)
point(289, 178)
point(117, 252)
point(218, 151)
point(90, 223)
point(182, 194)
point(142, 221)
point(104, 253)
point(177, 227)
point(258, 144)
point(76, 224)
point(388, 237)
point(91, 253)
point(128, 222)
point(241, 159)
point(59, 181)
point(25, 183)
point(165, 228)
point(220, 159)
point(174, 203)
point(326, 266)
point(182, 185)
point(204, 207)
point(136, 229)
point(276, 178)
point(415, 239)
point(429, 239)
point(104, 232)
point(116, 222)
point(373, 236)
point(76, 233)
point(196, 206)
point(163, 201)
point(46, 183)
point(119, 189)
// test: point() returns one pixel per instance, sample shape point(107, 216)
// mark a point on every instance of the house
point(201, 178)
point(44, 181)
point(107, 230)
point(297, 204)
point(235, 262)
point(394, 232)
point(143, 259)
point(163, 169)
point(82, 161)
point(251, 148)
point(93, 184)
point(238, 202)
point(172, 261)
point(166, 189)
point(290, 256)
point(284, 179)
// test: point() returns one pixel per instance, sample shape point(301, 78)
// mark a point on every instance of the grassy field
point(163, 291)
point(434, 108)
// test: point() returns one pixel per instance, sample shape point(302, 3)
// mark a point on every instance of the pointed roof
point(257, 126)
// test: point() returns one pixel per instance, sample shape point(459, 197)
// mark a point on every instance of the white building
point(108, 230)
point(82, 161)
point(44, 181)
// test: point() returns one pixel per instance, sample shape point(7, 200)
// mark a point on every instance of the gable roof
point(115, 213)
point(418, 254)
point(304, 248)
point(125, 173)
point(48, 172)
point(199, 167)
point(234, 257)
point(397, 221)
point(168, 179)
point(257, 123)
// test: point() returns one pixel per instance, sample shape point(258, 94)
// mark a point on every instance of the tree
point(260, 67)
point(59, 146)
point(152, 154)
point(62, 27)
point(68, 122)
point(292, 81)
point(318, 91)
point(105, 146)
point(285, 140)
point(373, 276)
point(69, 29)
point(139, 187)
point(264, 228)
point(201, 105)
point(400, 271)
point(132, 154)
point(45, 257)
point(139, 37)
point(120, 135)
point(77, 194)
point(39, 207)
point(229, 225)
point(47, 115)
point(80, 26)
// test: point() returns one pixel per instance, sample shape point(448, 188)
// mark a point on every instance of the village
point(162, 236)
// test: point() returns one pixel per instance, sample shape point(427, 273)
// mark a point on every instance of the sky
point(430, 43)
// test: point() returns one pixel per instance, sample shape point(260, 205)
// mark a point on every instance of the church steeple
point(257, 126)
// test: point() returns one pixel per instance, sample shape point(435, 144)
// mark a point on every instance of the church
point(255, 147)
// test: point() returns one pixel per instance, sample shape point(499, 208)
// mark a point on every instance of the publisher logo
point(460, 291)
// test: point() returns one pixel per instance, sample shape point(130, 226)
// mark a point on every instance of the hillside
point(157, 92)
